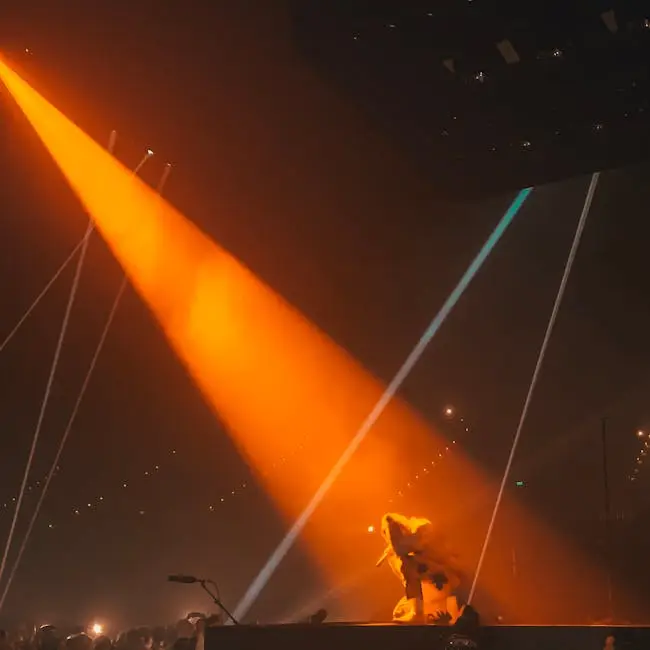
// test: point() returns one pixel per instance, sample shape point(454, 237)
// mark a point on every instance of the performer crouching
point(418, 555)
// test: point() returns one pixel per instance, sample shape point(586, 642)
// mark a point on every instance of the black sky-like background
point(284, 172)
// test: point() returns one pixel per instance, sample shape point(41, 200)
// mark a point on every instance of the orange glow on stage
point(279, 384)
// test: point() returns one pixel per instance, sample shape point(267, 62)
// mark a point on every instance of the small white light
point(149, 152)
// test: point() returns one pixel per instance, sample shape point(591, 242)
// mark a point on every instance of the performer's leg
point(412, 584)
point(411, 578)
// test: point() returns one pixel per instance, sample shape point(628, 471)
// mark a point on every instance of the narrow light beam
point(290, 538)
point(75, 410)
point(50, 380)
point(591, 190)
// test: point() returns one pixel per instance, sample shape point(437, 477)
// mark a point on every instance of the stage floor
point(389, 636)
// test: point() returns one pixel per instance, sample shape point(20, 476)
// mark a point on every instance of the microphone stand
point(216, 599)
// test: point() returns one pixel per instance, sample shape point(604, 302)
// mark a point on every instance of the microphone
point(190, 580)
point(384, 556)
point(183, 579)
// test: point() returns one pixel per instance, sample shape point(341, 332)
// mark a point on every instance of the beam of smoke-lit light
point(273, 377)
point(383, 402)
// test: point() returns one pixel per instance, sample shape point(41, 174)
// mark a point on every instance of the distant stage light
point(371, 529)
point(97, 629)
point(149, 152)
point(449, 412)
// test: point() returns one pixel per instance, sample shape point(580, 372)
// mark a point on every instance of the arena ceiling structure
point(491, 95)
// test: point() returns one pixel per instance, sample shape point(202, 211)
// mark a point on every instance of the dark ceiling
point(487, 96)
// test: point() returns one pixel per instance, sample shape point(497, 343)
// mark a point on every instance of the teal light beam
point(292, 535)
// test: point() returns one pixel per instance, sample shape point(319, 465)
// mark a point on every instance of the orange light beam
point(237, 338)
point(384, 400)
point(277, 382)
